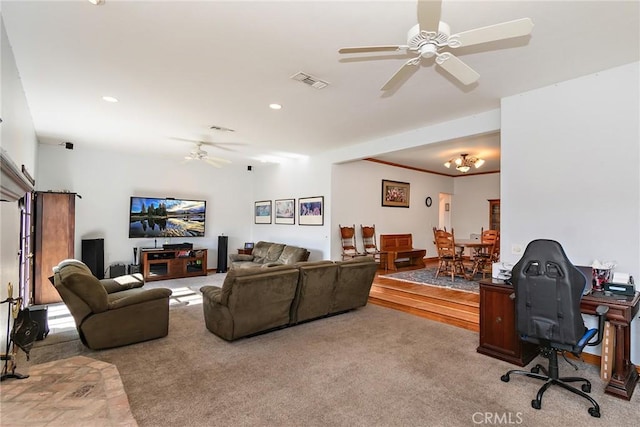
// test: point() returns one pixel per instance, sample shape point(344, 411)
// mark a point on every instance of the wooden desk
point(498, 335)
point(622, 310)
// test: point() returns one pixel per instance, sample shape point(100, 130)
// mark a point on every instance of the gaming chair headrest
point(546, 257)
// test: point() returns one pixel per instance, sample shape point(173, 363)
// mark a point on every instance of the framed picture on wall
point(395, 193)
point(262, 212)
point(311, 211)
point(285, 211)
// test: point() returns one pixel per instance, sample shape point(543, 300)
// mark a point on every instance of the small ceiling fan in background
point(198, 153)
point(431, 36)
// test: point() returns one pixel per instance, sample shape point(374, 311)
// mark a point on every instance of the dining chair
point(369, 241)
point(484, 259)
point(348, 242)
point(449, 259)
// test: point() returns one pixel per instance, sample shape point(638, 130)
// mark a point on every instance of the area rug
point(427, 276)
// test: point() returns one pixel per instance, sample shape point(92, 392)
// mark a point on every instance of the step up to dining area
point(457, 308)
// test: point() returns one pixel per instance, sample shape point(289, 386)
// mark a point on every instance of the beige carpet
point(370, 367)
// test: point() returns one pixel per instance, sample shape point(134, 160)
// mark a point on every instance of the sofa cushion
point(73, 262)
point(230, 279)
point(260, 251)
point(88, 288)
point(274, 252)
point(291, 255)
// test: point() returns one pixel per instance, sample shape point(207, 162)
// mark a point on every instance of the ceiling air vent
point(310, 80)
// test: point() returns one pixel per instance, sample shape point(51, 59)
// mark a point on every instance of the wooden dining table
point(476, 246)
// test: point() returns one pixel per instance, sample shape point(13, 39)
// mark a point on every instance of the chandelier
point(464, 163)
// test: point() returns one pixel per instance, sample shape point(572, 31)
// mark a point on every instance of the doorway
point(444, 211)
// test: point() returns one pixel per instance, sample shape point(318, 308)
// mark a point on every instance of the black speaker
point(93, 256)
point(222, 254)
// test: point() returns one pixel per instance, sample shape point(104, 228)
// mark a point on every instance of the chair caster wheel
point(586, 388)
point(594, 412)
point(505, 378)
point(536, 404)
point(535, 370)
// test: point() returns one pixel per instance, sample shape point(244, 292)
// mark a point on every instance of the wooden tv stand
point(162, 264)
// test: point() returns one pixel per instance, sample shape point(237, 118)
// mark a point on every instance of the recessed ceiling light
point(275, 106)
point(109, 99)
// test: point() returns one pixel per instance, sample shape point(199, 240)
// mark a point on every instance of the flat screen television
point(166, 217)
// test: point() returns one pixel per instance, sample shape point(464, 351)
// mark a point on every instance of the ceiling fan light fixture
point(463, 169)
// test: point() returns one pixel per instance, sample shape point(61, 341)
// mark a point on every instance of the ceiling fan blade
point(218, 159)
point(220, 145)
point(364, 49)
point(458, 69)
point(429, 12)
point(505, 30)
point(402, 74)
point(213, 163)
point(185, 139)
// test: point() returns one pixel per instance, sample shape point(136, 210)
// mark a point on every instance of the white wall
point(107, 179)
point(17, 137)
point(357, 199)
point(293, 179)
point(469, 204)
point(570, 155)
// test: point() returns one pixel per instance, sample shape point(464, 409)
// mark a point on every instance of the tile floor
point(78, 391)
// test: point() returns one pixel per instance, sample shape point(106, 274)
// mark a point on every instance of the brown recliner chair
point(111, 312)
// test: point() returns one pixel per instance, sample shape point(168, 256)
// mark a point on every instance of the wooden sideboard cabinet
point(498, 335)
point(162, 264)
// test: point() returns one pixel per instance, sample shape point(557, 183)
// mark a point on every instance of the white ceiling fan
point(199, 154)
point(431, 36)
point(220, 145)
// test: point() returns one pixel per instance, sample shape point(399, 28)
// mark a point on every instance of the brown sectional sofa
point(256, 300)
point(268, 254)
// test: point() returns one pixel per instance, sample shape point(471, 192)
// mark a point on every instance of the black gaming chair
point(548, 289)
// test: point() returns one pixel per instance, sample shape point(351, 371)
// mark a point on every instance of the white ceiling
point(179, 67)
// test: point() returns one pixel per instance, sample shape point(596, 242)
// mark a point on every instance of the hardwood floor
point(457, 308)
